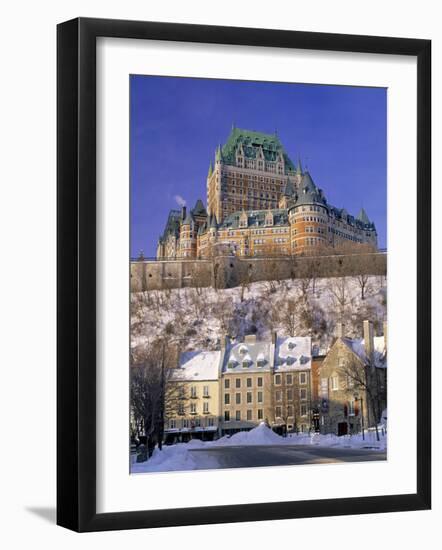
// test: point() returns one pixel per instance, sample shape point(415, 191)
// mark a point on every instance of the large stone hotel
point(260, 203)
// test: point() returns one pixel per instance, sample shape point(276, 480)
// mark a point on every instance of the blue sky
point(176, 123)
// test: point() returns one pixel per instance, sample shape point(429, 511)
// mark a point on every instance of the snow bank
point(261, 435)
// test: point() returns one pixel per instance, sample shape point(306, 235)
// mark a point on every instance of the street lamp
point(362, 414)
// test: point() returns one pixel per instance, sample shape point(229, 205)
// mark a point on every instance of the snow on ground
point(177, 457)
point(197, 317)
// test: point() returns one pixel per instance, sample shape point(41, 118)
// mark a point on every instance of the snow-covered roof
point(293, 353)
point(358, 347)
point(257, 356)
point(198, 365)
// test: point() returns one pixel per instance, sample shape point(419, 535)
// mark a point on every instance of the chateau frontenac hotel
point(260, 203)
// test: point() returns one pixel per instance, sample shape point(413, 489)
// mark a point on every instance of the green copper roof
point(252, 142)
point(199, 209)
point(362, 216)
point(210, 170)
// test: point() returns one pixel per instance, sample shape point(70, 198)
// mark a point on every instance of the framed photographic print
point(243, 274)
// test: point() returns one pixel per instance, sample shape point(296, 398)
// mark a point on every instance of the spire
point(362, 216)
point(189, 218)
point(218, 153)
point(299, 167)
point(210, 170)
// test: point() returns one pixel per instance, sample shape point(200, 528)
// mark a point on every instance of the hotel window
point(249, 382)
point(238, 398)
point(289, 379)
point(260, 414)
point(205, 407)
point(334, 383)
point(303, 409)
point(303, 393)
point(260, 397)
point(302, 378)
point(238, 382)
point(227, 383)
point(226, 416)
point(206, 391)
point(249, 415)
point(226, 399)
point(277, 379)
point(238, 416)
point(259, 381)
point(249, 397)
point(193, 408)
point(278, 412)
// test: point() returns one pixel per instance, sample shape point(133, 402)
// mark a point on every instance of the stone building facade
point(352, 386)
point(260, 203)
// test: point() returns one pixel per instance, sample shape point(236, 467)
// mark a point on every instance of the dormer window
point(231, 364)
point(290, 360)
point(291, 345)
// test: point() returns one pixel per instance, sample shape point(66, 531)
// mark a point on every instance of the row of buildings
point(259, 202)
point(280, 382)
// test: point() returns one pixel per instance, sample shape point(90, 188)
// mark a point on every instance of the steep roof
point(252, 143)
point(197, 365)
point(289, 189)
point(199, 209)
point(357, 346)
point(256, 218)
point(293, 353)
point(172, 225)
point(309, 193)
point(189, 218)
point(251, 353)
point(362, 216)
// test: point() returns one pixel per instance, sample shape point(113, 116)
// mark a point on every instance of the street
point(280, 455)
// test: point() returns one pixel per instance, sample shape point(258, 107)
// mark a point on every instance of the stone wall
point(228, 271)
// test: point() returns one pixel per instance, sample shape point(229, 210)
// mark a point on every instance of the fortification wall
point(228, 272)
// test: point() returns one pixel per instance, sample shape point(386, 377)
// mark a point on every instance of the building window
point(302, 378)
point(260, 414)
point(193, 408)
point(210, 421)
point(351, 408)
point(259, 382)
point(185, 422)
point(278, 412)
point(289, 395)
point(260, 397)
point(226, 399)
point(278, 395)
point(290, 410)
point(181, 408)
point(334, 383)
point(206, 391)
point(277, 379)
point(249, 397)
point(227, 383)
point(303, 409)
point(238, 398)
point(303, 393)
point(249, 414)
point(238, 383)
point(249, 382)
point(324, 387)
point(350, 381)
point(226, 416)
point(289, 379)
point(172, 424)
point(193, 391)
point(205, 407)
point(238, 416)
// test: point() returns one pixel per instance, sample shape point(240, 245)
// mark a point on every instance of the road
point(281, 455)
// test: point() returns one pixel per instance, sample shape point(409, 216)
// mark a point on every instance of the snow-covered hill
point(196, 318)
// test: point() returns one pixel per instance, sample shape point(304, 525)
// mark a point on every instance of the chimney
point(385, 335)
point(183, 213)
point(369, 339)
point(339, 330)
point(225, 341)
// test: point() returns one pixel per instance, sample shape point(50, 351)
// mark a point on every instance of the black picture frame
point(76, 273)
